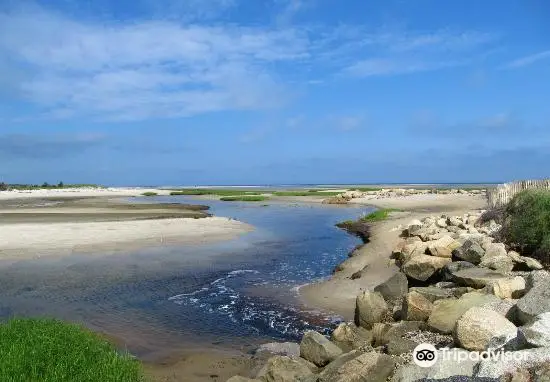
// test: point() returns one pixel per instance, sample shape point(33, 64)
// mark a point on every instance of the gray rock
point(416, 307)
point(542, 374)
point(422, 267)
point(370, 308)
point(434, 293)
point(506, 308)
point(454, 221)
point(455, 266)
point(480, 329)
point(285, 369)
point(537, 332)
point(470, 251)
point(500, 263)
point(532, 263)
point(317, 349)
point(348, 336)
point(413, 227)
point(393, 288)
point(368, 367)
point(445, 241)
point(384, 333)
point(496, 249)
point(509, 364)
point(446, 313)
point(476, 277)
point(440, 252)
point(450, 363)
point(537, 300)
point(291, 349)
point(398, 346)
point(446, 284)
point(331, 370)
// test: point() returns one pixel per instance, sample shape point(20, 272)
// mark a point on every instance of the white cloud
point(158, 68)
point(528, 60)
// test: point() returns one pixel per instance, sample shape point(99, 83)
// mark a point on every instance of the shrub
point(49, 350)
point(526, 223)
point(3, 186)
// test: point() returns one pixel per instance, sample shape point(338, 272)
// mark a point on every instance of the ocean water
point(155, 297)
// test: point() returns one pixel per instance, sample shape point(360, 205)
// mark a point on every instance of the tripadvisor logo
point(425, 355)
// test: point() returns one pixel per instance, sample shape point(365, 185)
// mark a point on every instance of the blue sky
point(274, 91)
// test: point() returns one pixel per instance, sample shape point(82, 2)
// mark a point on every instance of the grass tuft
point(49, 350)
point(243, 198)
point(149, 193)
point(378, 215)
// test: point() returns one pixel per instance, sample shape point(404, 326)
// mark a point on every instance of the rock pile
point(458, 290)
point(347, 196)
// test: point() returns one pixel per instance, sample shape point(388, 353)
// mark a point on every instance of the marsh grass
point(243, 198)
point(378, 215)
point(306, 193)
point(149, 193)
point(213, 191)
point(49, 350)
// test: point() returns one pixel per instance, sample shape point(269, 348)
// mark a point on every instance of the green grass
point(149, 193)
point(527, 223)
point(378, 215)
point(213, 191)
point(305, 193)
point(243, 198)
point(48, 350)
point(366, 189)
point(51, 186)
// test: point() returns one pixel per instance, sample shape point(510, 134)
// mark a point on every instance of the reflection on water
point(157, 297)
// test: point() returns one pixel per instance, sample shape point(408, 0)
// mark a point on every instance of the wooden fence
point(503, 193)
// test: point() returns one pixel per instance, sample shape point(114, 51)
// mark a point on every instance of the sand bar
point(61, 222)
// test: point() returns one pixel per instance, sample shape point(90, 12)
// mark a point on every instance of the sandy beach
point(338, 293)
point(60, 222)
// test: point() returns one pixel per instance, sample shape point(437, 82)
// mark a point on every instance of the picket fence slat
point(501, 194)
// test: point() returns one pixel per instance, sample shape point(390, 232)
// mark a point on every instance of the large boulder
point(433, 293)
point(496, 250)
point(445, 241)
point(480, 329)
point(470, 251)
point(393, 288)
point(348, 336)
point(450, 363)
point(416, 307)
point(476, 277)
point(446, 313)
point(510, 287)
point(384, 333)
point(506, 308)
point(370, 308)
point(440, 252)
point(496, 367)
point(537, 300)
point(330, 372)
point(286, 369)
point(317, 349)
point(500, 263)
point(368, 367)
point(411, 250)
point(413, 227)
point(291, 349)
point(422, 267)
point(537, 332)
point(455, 266)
